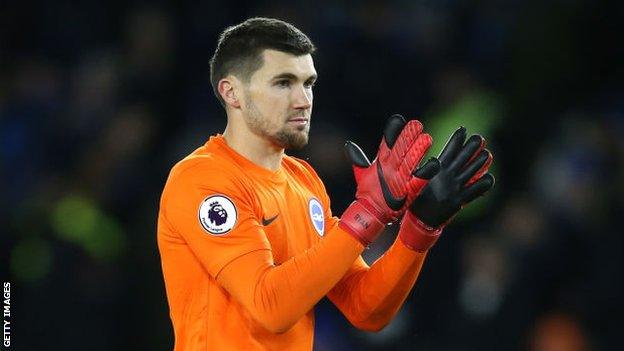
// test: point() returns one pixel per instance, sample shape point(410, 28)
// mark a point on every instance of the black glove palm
point(460, 180)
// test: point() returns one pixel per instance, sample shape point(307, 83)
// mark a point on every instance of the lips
point(300, 122)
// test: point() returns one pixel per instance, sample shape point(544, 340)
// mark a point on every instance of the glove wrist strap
point(358, 221)
point(416, 235)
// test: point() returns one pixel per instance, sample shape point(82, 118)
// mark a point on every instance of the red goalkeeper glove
point(387, 186)
point(462, 178)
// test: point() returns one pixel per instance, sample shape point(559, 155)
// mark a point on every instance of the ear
point(227, 88)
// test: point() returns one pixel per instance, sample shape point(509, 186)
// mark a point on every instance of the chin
point(298, 143)
point(294, 141)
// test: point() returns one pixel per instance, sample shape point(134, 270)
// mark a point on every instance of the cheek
point(270, 100)
point(277, 105)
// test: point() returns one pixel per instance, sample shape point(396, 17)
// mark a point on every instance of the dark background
point(98, 100)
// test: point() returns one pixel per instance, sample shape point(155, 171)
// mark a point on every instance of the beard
point(287, 137)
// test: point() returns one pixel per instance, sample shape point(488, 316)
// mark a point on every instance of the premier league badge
point(317, 216)
point(217, 214)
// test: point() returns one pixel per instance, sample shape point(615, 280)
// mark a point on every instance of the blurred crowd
point(99, 99)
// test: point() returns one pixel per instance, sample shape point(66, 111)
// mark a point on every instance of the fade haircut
point(239, 49)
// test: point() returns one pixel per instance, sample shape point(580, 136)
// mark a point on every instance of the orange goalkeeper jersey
point(246, 254)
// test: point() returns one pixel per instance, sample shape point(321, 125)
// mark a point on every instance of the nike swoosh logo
point(266, 222)
point(391, 201)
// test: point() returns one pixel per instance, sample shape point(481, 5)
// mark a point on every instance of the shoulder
point(206, 171)
point(200, 165)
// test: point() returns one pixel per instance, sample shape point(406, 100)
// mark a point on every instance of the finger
point(355, 155)
point(484, 169)
point(414, 155)
point(452, 147)
point(481, 147)
point(468, 150)
point(410, 133)
point(428, 170)
point(393, 129)
point(477, 189)
point(473, 167)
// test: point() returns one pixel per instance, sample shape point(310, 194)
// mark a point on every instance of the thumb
point(355, 155)
point(428, 170)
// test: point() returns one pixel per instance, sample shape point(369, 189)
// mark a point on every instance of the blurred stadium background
point(98, 99)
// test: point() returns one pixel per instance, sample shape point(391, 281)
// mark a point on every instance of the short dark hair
point(239, 49)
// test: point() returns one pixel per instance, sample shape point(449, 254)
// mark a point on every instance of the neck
point(255, 148)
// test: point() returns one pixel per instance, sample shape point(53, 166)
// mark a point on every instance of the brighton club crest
point(217, 214)
point(317, 216)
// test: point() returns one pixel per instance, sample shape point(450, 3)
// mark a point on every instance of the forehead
point(277, 62)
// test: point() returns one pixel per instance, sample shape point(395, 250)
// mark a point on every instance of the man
point(247, 239)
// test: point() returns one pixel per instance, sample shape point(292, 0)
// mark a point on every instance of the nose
point(302, 97)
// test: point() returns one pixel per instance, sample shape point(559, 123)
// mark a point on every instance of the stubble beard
point(287, 137)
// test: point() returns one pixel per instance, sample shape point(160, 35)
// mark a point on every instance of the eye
point(309, 85)
point(283, 83)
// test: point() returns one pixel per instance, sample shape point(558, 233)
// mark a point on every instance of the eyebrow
point(291, 76)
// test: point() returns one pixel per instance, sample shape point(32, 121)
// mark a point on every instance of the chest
point(292, 218)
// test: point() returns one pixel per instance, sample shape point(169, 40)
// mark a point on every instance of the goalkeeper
point(247, 239)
